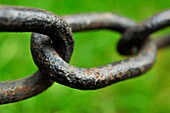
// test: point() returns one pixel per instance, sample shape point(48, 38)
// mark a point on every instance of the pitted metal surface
point(94, 21)
point(134, 37)
point(94, 78)
point(16, 90)
point(21, 19)
point(52, 45)
point(89, 78)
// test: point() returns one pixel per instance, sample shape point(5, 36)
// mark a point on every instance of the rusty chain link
point(52, 45)
point(21, 19)
point(134, 37)
point(91, 78)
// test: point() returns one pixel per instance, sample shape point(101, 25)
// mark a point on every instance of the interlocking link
point(134, 37)
point(52, 45)
point(22, 19)
point(54, 67)
point(17, 19)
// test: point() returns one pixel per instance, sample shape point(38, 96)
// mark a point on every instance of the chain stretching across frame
point(47, 51)
point(54, 67)
point(94, 78)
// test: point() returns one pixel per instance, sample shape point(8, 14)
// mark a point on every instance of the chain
point(134, 37)
point(52, 44)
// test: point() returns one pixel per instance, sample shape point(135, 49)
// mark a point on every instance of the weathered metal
point(93, 78)
point(16, 90)
point(134, 37)
point(52, 46)
point(58, 70)
point(21, 19)
point(94, 21)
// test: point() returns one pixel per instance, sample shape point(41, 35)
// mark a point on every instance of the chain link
point(21, 19)
point(135, 36)
point(91, 78)
point(52, 45)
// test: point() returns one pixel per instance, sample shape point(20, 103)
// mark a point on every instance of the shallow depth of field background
point(148, 93)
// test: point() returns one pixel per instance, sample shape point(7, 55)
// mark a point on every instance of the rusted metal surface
point(50, 63)
point(12, 91)
point(94, 78)
point(52, 45)
point(21, 19)
point(134, 37)
point(94, 21)
point(58, 70)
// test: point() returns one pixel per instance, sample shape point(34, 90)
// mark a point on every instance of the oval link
point(135, 36)
point(91, 78)
point(52, 54)
point(22, 19)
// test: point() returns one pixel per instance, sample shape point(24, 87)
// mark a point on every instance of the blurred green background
point(145, 94)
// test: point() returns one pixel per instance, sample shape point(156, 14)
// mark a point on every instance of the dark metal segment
point(21, 19)
point(58, 70)
point(163, 41)
point(91, 78)
point(134, 37)
point(13, 91)
point(94, 21)
point(49, 62)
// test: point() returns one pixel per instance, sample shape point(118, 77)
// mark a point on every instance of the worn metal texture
point(134, 37)
point(52, 65)
point(94, 78)
point(58, 70)
point(95, 21)
point(52, 46)
point(21, 19)
point(12, 91)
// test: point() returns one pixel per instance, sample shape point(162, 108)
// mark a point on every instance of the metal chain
point(134, 37)
point(91, 78)
point(52, 54)
point(21, 19)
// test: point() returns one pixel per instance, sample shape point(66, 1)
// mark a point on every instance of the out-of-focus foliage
point(145, 94)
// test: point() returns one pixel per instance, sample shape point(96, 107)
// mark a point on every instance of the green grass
point(145, 94)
